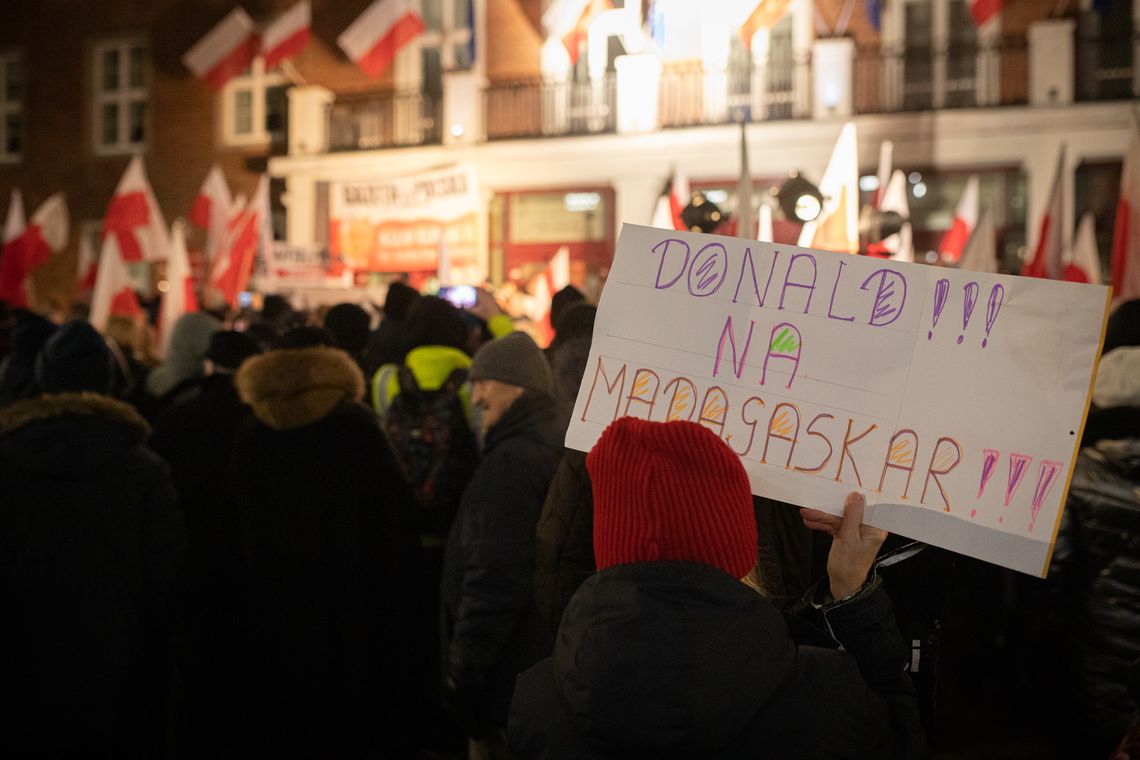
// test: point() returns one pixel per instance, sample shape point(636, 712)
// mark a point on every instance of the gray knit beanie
point(514, 359)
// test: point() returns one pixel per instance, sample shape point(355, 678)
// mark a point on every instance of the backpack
point(433, 445)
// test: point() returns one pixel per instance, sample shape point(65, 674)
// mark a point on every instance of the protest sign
point(953, 400)
point(406, 224)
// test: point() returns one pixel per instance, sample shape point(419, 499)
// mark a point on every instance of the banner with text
point(953, 400)
point(410, 224)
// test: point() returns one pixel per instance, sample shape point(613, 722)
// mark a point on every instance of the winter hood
point(658, 656)
point(293, 387)
point(68, 434)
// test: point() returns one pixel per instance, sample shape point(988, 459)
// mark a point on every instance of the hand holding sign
point(854, 545)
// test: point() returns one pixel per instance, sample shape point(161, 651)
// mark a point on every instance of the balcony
point(537, 108)
point(1105, 65)
point(370, 121)
point(887, 80)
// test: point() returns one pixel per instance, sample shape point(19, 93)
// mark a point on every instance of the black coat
point(680, 660)
point(317, 493)
point(564, 544)
point(90, 540)
point(1095, 561)
point(491, 628)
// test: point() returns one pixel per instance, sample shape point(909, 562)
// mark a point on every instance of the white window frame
point(11, 107)
point(257, 81)
point(123, 96)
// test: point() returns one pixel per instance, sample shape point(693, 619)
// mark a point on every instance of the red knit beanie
point(670, 491)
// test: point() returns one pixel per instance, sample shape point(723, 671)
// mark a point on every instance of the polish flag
point(1126, 232)
point(287, 36)
point(886, 157)
point(1085, 263)
point(672, 201)
point(179, 297)
point(984, 10)
point(226, 51)
point(245, 234)
point(764, 231)
point(15, 223)
point(374, 38)
point(764, 15)
point(46, 233)
point(88, 268)
point(558, 270)
point(837, 228)
point(899, 246)
point(134, 217)
point(569, 22)
point(965, 220)
point(1048, 258)
point(211, 211)
point(114, 293)
point(980, 254)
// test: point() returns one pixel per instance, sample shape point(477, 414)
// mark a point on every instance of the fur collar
point(294, 387)
point(56, 405)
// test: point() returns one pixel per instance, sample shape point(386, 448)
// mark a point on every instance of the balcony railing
point(920, 78)
point(690, 96)
point(538, 108)
point(388, 120)
point(1104, 65)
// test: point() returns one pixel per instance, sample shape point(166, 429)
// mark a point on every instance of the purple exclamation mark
point(970, 297)
point(941, 290)
point(997, 296)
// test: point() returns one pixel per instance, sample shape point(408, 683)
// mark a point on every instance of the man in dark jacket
point(665, 653)
point(90, 540)
point(196, 438)
point(491, 628)
point(318, 495)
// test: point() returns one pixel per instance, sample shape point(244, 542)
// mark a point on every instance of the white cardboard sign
point(953, 400)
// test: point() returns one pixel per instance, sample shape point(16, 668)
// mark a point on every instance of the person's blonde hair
point(133, 336)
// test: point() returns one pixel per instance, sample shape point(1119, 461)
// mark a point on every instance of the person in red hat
point(670, 651)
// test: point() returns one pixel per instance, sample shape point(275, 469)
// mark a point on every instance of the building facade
point(563, 152)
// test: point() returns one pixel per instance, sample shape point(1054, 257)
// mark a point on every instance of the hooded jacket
point(680, 660)
point(491, 628)
point(189, 342)
point(90, 541)
point(317, 494)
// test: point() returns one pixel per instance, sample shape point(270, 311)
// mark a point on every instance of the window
point(448, 43)
point(254, 107)
point(120, 102)
point(11, 107)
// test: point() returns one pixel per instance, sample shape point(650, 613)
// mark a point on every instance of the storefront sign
point(407, 224)
point(953, 400)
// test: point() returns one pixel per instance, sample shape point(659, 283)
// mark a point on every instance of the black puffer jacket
point(564, 544)
point(491, 628)
point(1097, 561)
point(680, 660)
point(90, 542)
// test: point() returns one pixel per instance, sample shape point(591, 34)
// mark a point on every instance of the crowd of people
point(306, 535)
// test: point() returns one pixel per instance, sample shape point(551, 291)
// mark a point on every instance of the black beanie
point(1123, 326)
point(350, 325)
point(229, 348)
point(75, 359)
point(562, 301)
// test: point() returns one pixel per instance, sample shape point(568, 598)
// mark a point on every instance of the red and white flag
point(245, 234)
point(900, 245)
point(673, 199)
point(287, 36)
point(211, 211)
point(1085, 263)
point(374, 38)
point(45, 233)
point(134, 217)
point(980, 254)
point(15, 222)
point(837, 227)
point(569, 21)
point(764, 14)
point(179, 297)
point(88, 267)
point(114, 293)
point(965, 220)
point(558, 270)
point(226, 51)
point(886, 157)
point(984, 10)
point(1048, 258)
point(1126, 231)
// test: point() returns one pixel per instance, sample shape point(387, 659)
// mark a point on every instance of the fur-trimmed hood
point(290, 388)
point(68, 433)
